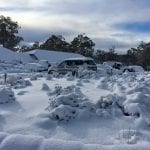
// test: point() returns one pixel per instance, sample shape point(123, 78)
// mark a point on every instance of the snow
point(6, 94)
point(102, 110)
point(53, 56)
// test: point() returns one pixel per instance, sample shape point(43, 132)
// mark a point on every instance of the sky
point(120, 23)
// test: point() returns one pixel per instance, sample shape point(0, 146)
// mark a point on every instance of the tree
point(111, 55)
point(99, 56)
point(55, 42)
point(82, 45)
point(8, 31)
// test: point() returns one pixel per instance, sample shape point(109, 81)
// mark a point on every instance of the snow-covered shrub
point(102, 112)
point(33, 78)
point(45, 87)
point(87, 105)
point(105, 101)
point(12, 79)
point(138, 105)
point(63, 112)
point(84, 73)
point(22, 84)
point(57, 90)
point(69, 103)
point(6, 94)
point(109, 105)
point(17, 81)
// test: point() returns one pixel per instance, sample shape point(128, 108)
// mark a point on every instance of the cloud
point(116, 22)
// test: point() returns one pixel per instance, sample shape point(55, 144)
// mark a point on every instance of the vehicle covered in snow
point(114, 64)
point(35, 67)
point(132, 69)
point(72, 65)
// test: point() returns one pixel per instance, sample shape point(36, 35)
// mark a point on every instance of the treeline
point(134, 56)
point(80, 44)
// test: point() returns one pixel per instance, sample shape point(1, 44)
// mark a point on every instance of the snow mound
point(45, 87)
point(129, 136)
point(67, 103)
point(30, 142)
point(6, 94)
point(17, 81)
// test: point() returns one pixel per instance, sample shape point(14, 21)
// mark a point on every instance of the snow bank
point(29, 142)
point(6, 94)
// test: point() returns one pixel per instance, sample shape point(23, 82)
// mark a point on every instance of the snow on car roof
point(79, 58)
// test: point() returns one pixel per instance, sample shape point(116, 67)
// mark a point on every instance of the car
point(35, 67)
point(132, 69)
point(72, 65)
point(114, 64)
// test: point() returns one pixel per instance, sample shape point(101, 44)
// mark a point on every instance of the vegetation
point(8, 31)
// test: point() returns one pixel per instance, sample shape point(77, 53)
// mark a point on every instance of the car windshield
point(89, 62)
point(76, 63)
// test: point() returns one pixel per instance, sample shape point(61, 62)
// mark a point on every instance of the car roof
point(80, 58)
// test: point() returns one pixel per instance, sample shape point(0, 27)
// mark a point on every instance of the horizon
point(123, 24)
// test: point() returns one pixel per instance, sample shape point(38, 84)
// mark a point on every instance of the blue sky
point(119, 23)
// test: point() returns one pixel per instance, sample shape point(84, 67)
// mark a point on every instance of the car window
point(89, 62)
point(69, 63)
point(62, 64)
point(78, 62)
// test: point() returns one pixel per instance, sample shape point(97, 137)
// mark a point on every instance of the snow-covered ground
point(107, 110)
point(94, 112)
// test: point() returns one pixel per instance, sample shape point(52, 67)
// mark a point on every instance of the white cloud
point(96, 18)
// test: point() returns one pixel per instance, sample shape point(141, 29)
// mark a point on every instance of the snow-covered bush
point(57, 90)
point(105, 101)
point(69, 103)
point(33, 78)
point(21, 84)
point(63, 112)
point(84, 73)
point(6, 94)
point(17, 81)
point(109, 105)
point(45, 87)
point(12, 79)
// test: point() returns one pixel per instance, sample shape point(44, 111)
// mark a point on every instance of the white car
point(72, 65)
point(132, 68)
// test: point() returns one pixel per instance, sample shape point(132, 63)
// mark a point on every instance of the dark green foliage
point(82, 45)
point(55, 42)
point(8, 31)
